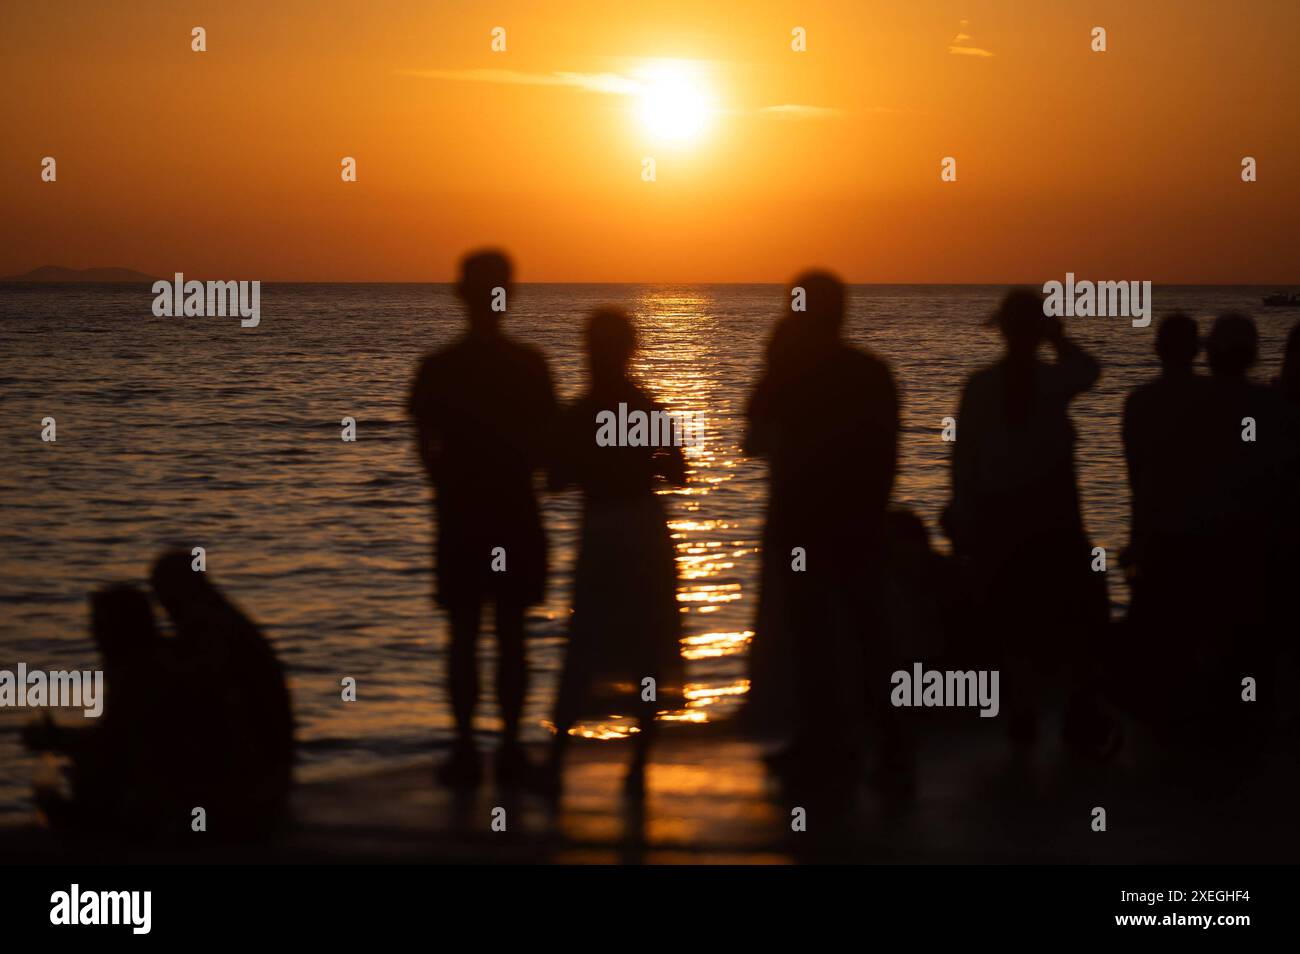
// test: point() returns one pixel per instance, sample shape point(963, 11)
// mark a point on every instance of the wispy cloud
point(609, 84)
point(799, 111)
point(959, 43)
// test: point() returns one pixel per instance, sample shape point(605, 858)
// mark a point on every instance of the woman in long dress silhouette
point(625, 625)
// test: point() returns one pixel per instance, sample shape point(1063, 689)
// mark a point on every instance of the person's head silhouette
point(1233, 345)
point(122, 624)
point(1177, 342)
point(484, 287)
point(610, 338)
point(184, 592)
point(824, 303)
point(1021, 320)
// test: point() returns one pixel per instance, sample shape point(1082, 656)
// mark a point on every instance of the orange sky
point(225, 164)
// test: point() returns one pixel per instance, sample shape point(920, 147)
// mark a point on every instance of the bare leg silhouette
point(462, 770)
point(462, 670)
point(511, 685)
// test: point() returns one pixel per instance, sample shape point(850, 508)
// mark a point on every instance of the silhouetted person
point(483, 407)
point(1288, 387)
point(625, 625)
point(1288, 568)
point(1015, 517)
point(1251, 453)
point(920, 591)
point(1159, 439)
point(825, 415)
point(1241, 461)
point(796, 344)
point(1164, 445)
point(239, 718)
point(919, 598)
point(1288, 381)
point(122, 770)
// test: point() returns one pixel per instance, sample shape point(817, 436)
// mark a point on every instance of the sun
point(676, 103)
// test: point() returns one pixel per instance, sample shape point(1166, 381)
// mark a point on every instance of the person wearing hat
point(1016, 524)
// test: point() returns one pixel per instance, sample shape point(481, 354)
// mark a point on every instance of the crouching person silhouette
point(120, 773)
point(236, 760)
point(201, 720)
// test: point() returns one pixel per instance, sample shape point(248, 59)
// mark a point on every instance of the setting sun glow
point(676, 104)
point(538, 145)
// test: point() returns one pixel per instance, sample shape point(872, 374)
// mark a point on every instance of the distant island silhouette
point(57, 273)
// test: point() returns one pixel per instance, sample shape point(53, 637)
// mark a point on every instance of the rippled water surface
point(196, 432)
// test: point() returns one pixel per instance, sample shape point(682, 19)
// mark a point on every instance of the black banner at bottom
point(333, 903)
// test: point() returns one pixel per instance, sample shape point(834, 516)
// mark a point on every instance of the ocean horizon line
point(636, 284)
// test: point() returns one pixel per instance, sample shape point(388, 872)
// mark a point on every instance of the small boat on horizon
point(1282, 300)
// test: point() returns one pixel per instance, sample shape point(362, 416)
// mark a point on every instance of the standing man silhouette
point(1165, 447)
point(825, 414)
point(483, 407)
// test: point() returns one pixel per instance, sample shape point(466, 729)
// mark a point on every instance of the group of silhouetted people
point(850, 588)
point(825, 415)
point(487, 421)
point(199, 718)
point(1214, 468)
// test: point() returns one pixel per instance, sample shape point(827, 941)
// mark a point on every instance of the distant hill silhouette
point(57, 273)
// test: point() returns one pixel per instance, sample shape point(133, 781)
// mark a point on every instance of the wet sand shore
point(711, 800)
